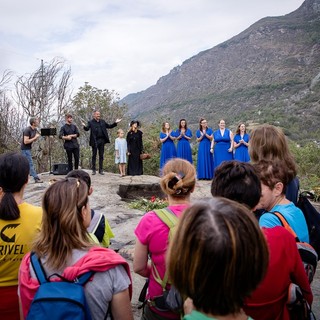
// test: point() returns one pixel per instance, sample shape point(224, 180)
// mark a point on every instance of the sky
point(121, 45)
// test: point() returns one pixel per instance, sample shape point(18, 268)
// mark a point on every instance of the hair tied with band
point(175, 179)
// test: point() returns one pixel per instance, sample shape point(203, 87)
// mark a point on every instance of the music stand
point(47, 132)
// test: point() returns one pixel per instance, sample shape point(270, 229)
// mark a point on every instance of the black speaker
point(60, 168)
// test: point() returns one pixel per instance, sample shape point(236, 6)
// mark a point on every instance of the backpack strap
point(42, 277)
point(95, 221)
point(38, 268)
point(285, 224)
point(169, 219)
point(84, 278)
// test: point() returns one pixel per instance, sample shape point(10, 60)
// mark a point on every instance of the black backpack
point(312, 217)
point(307, 253)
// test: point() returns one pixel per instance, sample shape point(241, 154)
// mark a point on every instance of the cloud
point(122, 45)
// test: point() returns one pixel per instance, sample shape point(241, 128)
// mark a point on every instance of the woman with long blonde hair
point(64, 248)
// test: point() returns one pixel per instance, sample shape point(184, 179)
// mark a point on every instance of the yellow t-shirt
point(16, 237)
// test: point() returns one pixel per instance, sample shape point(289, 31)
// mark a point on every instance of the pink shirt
point(152, 232)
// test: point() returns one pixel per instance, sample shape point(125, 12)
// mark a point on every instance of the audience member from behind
point(99, 225)
point(274, 179)
point(240, 182)
point(268, 142)
point(19, 224)
point(217, 258)
point(177, 182)
point(64, 248)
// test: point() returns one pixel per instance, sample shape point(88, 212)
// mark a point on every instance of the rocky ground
point(110, 192)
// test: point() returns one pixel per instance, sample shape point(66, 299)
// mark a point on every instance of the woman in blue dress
point(205, 161)
point(241, 144)
point(222, 144)
point(184, 135)
point(168, 149)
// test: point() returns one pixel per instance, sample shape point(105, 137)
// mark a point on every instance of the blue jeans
point(28, 155)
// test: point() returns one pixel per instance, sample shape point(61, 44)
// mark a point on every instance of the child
point(121, 152)
point(99, 227)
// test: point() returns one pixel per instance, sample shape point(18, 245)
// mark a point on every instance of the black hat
point(134, 121)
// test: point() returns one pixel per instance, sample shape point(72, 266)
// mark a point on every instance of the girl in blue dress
point(222, 144)
point(184, 135)
point(205, 161)
point(241, 144)
point(120, 145)
point(168, 149)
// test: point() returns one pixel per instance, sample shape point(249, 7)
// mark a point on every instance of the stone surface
point(106, 199)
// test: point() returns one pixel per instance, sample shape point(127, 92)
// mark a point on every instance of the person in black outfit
point(30, 134)
point(98, 138)
point(135, 148)
point(69, 133)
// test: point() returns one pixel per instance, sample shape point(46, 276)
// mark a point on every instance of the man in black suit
point(98, 138)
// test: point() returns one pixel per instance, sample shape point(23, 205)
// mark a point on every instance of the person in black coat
point(98, 138)
point(135, 148)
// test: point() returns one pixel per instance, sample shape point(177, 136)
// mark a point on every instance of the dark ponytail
point(14, 172)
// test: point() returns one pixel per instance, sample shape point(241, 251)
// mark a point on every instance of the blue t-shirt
point(293, 215)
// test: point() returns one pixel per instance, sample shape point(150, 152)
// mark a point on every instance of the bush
point(307, 158)
point(146, 205)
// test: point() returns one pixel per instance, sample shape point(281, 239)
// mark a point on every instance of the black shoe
point(93, 172)
point(37, 180)
point(101, 172)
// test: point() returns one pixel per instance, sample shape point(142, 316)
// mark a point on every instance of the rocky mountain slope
point(270, 72)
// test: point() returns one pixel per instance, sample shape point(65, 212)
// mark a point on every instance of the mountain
point(270, 72)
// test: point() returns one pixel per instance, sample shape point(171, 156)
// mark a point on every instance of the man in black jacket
point(69, 134)
point(98, 138)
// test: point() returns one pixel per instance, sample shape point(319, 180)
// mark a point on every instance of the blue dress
point(221, 146)
point(205, 160)
point(183, 147)
point(168, 149)
point(241, 153)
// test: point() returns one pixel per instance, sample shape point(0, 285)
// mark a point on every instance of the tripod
point(47, 132)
